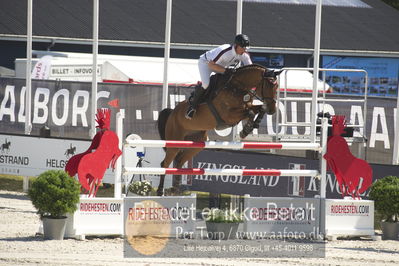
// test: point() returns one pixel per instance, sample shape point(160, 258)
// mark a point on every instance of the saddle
point(211, 93)
point(213, 89)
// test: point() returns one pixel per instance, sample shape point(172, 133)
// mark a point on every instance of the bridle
point(262, 98)
point(240, 89)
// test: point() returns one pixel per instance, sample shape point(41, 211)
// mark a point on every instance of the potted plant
point(385, 193)
point(222, 224)
point(54, 193)
point(141, 188)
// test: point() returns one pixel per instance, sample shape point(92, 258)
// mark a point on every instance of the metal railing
point(323, 99)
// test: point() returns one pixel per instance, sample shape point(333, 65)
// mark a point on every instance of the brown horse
point(229, 102)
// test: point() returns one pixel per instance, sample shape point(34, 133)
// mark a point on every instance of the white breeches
point(205, 72)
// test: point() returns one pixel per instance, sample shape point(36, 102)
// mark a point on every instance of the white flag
point(42, 68)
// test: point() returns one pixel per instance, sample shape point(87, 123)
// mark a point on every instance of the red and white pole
point(219, 172)
point(223, 145)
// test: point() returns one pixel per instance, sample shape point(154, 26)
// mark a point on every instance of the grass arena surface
point(19, 244)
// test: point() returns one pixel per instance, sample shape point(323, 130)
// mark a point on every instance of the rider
point(218, 60)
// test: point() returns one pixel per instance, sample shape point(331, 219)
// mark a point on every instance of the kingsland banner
point(268, 186)
point(65, 108)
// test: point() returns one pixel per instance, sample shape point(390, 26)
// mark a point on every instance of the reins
point(239, 90)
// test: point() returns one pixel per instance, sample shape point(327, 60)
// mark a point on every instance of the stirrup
point(190, 113)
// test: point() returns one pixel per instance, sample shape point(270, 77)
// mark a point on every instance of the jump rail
point(219, 172)
point(223, 145)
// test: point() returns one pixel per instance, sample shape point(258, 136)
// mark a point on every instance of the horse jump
point(222, 145)
point(219, 172)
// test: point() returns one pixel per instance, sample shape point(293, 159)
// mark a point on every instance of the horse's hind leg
point(181, 158)
point(187, 154)
point(169, 157)
point(161, 185)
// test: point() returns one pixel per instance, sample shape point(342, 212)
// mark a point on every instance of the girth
point(220, 123)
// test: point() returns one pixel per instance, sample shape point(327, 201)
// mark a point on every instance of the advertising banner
point(96, 216)
point(357, 214)
point(64, 107)
point(166, 216)
point(164, 227)
point(256, 186)
point(292, 218)
point(31, 156)
point(269, 186)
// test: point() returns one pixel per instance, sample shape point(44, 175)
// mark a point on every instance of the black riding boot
point(194, 101)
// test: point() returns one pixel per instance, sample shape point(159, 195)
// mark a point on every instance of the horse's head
point(268, 89)
point(264, 80)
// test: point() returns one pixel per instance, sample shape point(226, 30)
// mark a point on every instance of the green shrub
point(54, 193)
point(385, 193)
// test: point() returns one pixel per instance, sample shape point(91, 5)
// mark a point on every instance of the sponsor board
point(65, 108)
point(31, 156)
point(172, 216)
point(96, 216)
point(152, 223)
point(292, 218)
point(269, 186)
point(357, 214)
point(255, 186)
point(162, 227)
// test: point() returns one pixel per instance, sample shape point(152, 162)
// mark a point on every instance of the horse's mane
point(251, 66)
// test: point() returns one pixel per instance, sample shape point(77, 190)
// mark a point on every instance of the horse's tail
point(162, 118)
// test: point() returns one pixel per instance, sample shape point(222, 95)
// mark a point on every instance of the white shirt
point(225, 55)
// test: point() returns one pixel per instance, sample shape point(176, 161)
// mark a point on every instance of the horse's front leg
point(261, 113)
point(249, 126)
point(253, 123)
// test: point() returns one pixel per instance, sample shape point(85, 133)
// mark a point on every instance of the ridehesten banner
point(65, 108)
point(358, 216)
point(291, 218)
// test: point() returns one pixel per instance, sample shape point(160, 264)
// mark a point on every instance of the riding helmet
point(242, 40)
